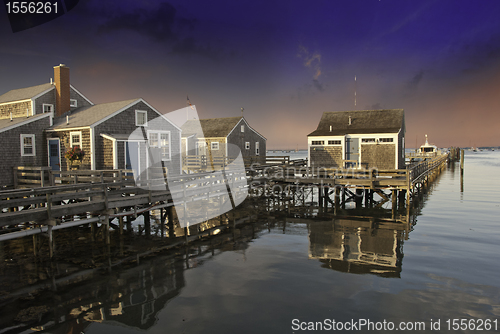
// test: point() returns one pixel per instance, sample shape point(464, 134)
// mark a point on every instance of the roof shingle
point(362, 121)
point(24, 93)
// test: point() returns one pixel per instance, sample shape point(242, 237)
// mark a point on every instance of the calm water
point(307, 270)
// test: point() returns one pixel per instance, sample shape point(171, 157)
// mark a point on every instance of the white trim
point(92, 145)
point(18, 101)
point(33, 144)
point(33, 108)
point(26, 121)
point(47, 104)
point(145, 112)
point(78, 133)
point(48, 151)
point(78, 92)
point(159, 113)
point(68, 129)
point(159, 133)
point(75, 105)
point(129, 106)
point(225, 142)
point(115, 154)
point(214, 146)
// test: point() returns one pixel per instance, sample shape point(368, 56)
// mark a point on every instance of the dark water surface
point(281, 277)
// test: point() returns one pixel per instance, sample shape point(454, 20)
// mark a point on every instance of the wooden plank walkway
point(46, 206)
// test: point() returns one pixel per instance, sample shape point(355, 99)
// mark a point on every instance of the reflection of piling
point(461, 170)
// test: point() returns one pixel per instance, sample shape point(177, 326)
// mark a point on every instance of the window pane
point(153, 139)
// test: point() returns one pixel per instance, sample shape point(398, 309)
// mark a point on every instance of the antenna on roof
point(242, 111)
point(355, 88)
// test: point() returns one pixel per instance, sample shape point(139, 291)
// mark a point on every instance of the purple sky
point(285, 62)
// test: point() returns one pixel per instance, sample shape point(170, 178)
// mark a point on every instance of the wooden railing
point(34, 177)
point(45, 203)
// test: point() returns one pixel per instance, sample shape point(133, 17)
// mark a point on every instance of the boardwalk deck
point(81, 203)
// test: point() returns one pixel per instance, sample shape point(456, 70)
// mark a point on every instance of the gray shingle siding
point(64, 137)
point(47, 98)
point(11, 149)
point(238, 138)
point(81, 102)
point(124, 123)
point(326, 156)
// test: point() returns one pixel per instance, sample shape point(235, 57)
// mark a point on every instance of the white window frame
point(73, 103)
point(214, 146)
point(33, 146)
point(247, 145)
point(71, 142)
point(47, 105)
point(137, 112)
point(242, 128)
point(257, 151)
point(158, 142)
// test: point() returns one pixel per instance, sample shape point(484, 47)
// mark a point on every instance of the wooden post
point(394, 203)
point(147, 223)
point(170, 216)
point(163, 215)
point(15, 177)
point(51, 242)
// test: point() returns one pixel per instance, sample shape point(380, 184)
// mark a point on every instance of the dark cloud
point(319, 86)
point(157, 24)
point(412, 85)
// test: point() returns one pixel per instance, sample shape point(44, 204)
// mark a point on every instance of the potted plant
point(74, 156)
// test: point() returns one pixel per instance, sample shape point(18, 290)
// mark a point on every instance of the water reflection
point(359, 247)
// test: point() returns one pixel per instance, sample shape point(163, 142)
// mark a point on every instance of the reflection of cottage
point(211, 139)
point(39, 124)
point(364, 138)
point(356, 247)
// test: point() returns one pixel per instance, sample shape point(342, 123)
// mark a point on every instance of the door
point(132, 160)
point(351, 152)
point(54, 154)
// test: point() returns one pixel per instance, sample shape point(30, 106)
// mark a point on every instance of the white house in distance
point(359, 139)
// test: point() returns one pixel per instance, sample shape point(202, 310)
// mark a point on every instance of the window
point(141, 118)
point(75, 139)
point(161, 140)
point(317, 142)
point(242, 128)
point(48, 108)
point(73, 103)
point(165, 145)
point(368, 140)
point(256, 148)
point(247, 145)
point(214, 145)
point(386, 140)
point(28, 145)
point(334, 142)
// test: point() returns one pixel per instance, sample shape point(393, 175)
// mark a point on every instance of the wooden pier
point(286, 185)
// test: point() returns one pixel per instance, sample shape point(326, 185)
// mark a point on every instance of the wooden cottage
point(39, 124)
point(107, 133)
point(218, 139)
point(25, 114)
point(359, 139)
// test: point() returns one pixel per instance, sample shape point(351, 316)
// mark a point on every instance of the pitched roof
point(24, 93)
point(6, 124)
point(212, 127)
point(86, 116)
point(362, 121)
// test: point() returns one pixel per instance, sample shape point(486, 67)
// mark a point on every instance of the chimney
point(61, 80)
